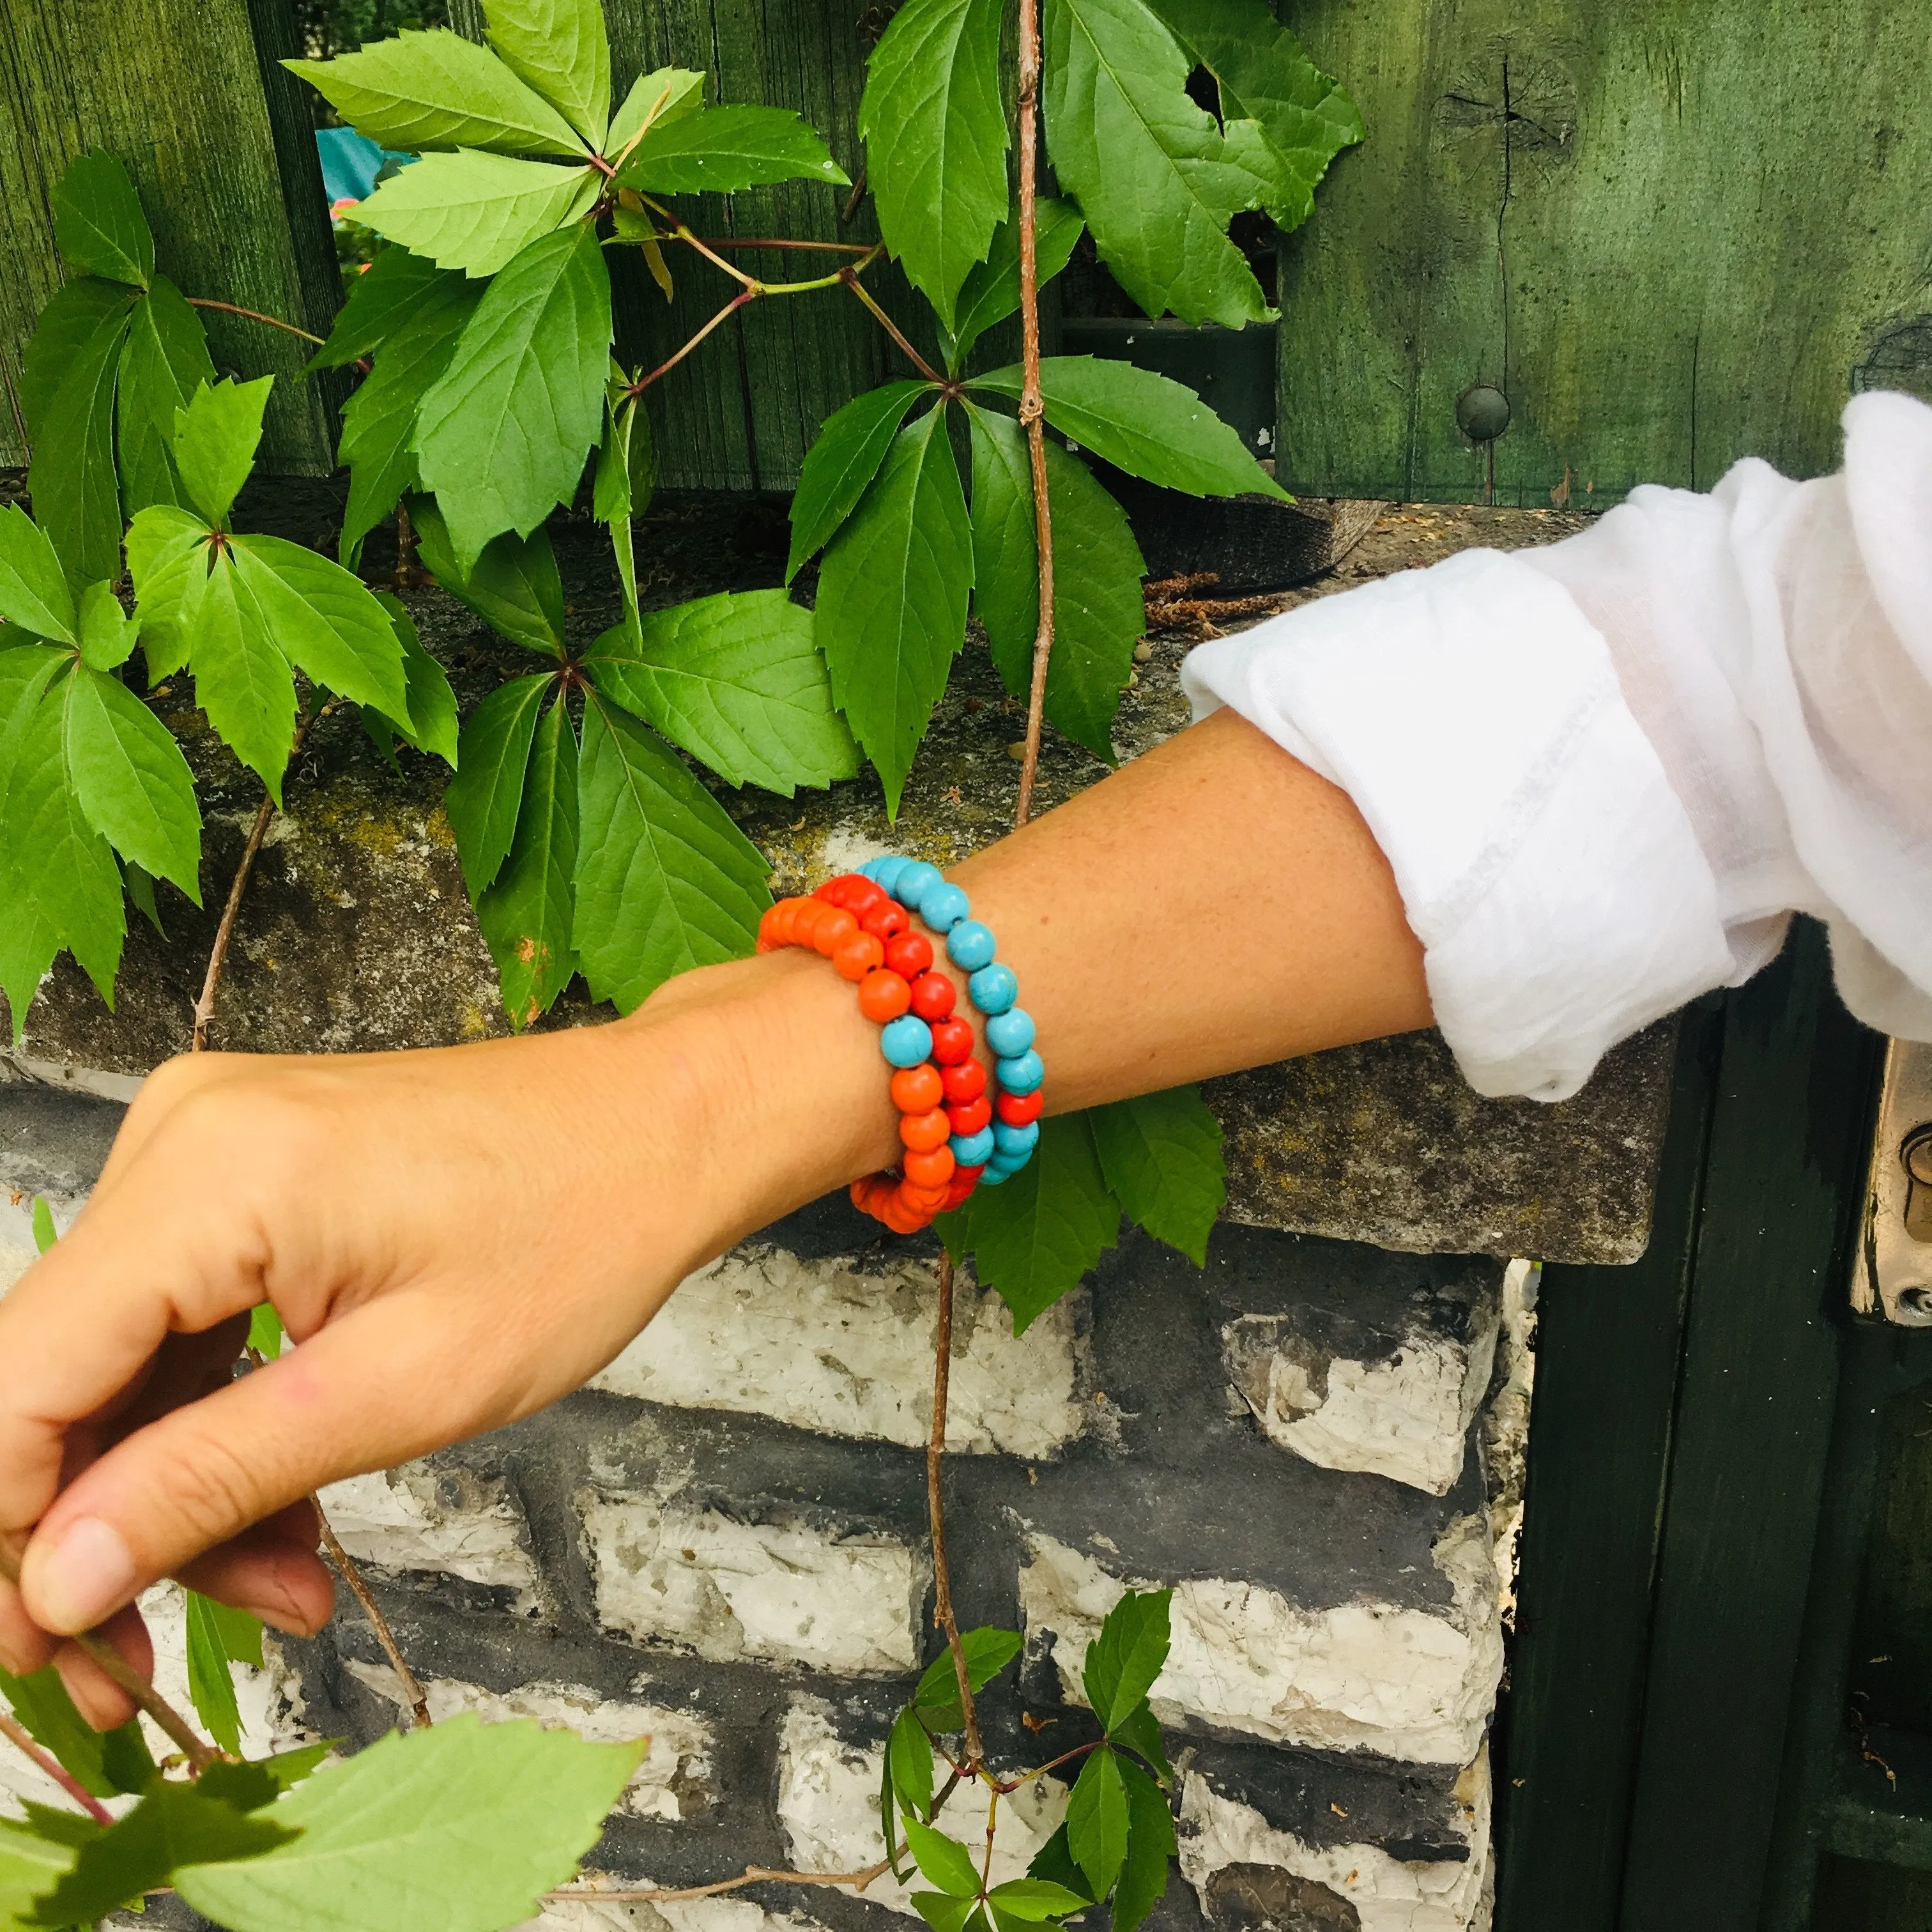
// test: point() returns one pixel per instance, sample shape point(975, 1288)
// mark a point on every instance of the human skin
point(457, 1237)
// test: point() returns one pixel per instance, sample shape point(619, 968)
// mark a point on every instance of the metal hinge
point(1892, 1274)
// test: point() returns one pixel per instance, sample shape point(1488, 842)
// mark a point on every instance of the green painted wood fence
point(1672, 232)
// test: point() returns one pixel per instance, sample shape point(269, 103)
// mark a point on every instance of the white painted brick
point(828, 1806)
point(848, 1351)
point(1388, 1894)
point(1406, 1683)
point(675, 1770)
point(684, 1914)
point(420, 1518)
point(778, 1592)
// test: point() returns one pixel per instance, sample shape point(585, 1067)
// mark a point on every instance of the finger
point(25, 1648)
point(272, 1571)
point(96, 1695)
point(358, 1396)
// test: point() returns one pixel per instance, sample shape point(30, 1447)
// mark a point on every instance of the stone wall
point(721, 1543)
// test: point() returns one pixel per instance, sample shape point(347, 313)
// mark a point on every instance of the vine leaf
point(66, 396)
point(945, 1861)
point(216, 1634)
point(163, 361)
point(664, 880)
point(474, 211)
point(626, 473)
point(988, 1652)
point(935, 133)
point(909, 1750)
point(1139, 1730)
point(891, 598)
point(736, 680)
point(106, 1764)
point(1151, 1843)
point(29, 938)
point(1097, 1821)
point(1148, 425)
point(168, 559)
point(1162, 1156)
point(1055, 1863)
point(382, 301)
point(526, 914)
point(944, 1913)
point(98, 226)
point(1032, 1900)
point(514, 585)
point(431, 725)
point(483, 800)
point(504, 433)
point(241, 679)
point(668, 94)
point(1124, 1660)
point(726, 148)
point(1098, 613)
point(324, 619)
point(1156, 176)
point(30, 1866)
point(33, 588)
point(841, 464)
point(1033, 1237)
point(134, 786)
point(215, 437)
point(992, 290)
point(558, 47)
point(423, 91)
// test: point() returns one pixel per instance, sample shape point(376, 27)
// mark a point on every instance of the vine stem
point(752, 1875)
point(17, 1733)
point(254, 315)
point(670, 362)
point(379, 1624)
point(935, 1452)
point(850, 278)
point(1032, 408)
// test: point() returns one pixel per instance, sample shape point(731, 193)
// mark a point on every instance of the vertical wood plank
point(173, 88)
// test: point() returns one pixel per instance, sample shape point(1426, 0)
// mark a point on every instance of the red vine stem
point(17, 1733)
point(935, 1451)
point(850, 277)
point(670, 362)
point(252, 315)
point(1032, 410)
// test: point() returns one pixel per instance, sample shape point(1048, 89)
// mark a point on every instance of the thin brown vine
point(252, 315)
point(17, 1733)
point(935, 1451)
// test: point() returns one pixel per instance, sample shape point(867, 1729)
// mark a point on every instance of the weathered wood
point(173, 89)
point(1673, 234)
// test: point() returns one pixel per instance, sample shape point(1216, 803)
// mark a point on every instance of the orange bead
point(832, 929)
point(934, 996)
point(916, 1090)
point(922, 1133)
point(901, 1219)
point(806, 913)
point(884, 996)
point(933, 1169)
point(857, 954)
point(966, 1080)
point(924, 1202)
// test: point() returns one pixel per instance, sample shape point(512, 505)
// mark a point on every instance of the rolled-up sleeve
point(1606, 773)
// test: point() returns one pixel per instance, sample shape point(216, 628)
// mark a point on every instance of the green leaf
point(726, 148)
point(944, 1861)
point(736, 680)
point(666, 94)
point(107, 633)
point(174, 1825)
point(379, 426)
point(45, 1234)
point(840, 464)
point(1124, 1660)
point(134, 785)
point(1037, 1898)
point(140, 885)
point(1156, 178)
point(383, 300)
point(944, 1913)
point(98, 226)
point(992, 290)
point(988, 1652)
point(168, 558)
point(891, 598)
point(424, 91)
point(118, 1761)
point(260, 1781)
point(1151, 1843)
point(558, 47)
point(66, 395)
point(909, 1751)
point(163, 361)
point(514, 585)
point(664, 880)
point(475, 211)
point(1139, 1730)
point(1055, 1863)
point(526, 914)
point(326, 620)
point(209, 1685)
point(29, 937)
point(241, 679)
point(1035, 1236)
point(431, 725)
point(264, 1330)
point(30, 1866)
point(1098, 614)
point(215, 438)
point(1142, 423)
point(1265, 76)
point(626, 472)
point(460, 1828)
point(483, 800)
point(504, 433)
point(1162, 1156)
point(33, 590)
point(935, 133)
point(1097, 1821)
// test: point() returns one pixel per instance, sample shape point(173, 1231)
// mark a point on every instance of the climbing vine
point(483, 336)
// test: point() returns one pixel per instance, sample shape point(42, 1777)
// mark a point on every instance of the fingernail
point(89, 1572)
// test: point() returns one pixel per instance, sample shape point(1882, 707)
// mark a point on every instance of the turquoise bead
point(1009, 1033)
point(1014, 1142)
point(915, 880)
point(906, 1041)
point(944, 906)
point(973, 1150)
point(1000, 1168)
point(970, 945)
point(886, 872)
point(993, 1176)
point(1019, 1074)
point(993, 989)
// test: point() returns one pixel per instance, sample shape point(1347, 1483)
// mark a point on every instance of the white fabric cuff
point(1474, 715)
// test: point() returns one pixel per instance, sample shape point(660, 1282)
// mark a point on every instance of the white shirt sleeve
point(1606, 773)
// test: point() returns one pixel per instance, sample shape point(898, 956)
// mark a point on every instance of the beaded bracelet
point(1006, 1143)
